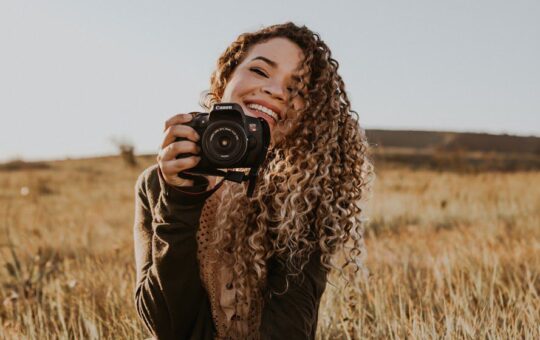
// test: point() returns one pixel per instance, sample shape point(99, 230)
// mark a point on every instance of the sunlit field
point(450, 255)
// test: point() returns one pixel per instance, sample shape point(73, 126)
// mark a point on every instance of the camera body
point(229, 139)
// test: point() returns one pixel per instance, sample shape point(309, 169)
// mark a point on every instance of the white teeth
point(264, 110)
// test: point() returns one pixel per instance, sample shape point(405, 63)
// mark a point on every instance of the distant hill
point(454, 151)
point(453, 141)
point(442, 151)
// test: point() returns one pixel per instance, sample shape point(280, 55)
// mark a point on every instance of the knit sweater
point(171, 297)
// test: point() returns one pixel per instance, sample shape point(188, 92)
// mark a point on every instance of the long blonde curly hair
point(309, 192)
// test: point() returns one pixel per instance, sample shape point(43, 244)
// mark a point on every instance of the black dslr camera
point(229, 139)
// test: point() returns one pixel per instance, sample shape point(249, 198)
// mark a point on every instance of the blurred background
point(78, 77)
point(448, 92)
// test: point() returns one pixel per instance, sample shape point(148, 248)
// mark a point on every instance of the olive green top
point(170, 297)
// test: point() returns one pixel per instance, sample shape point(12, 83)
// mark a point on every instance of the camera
point(229, 139)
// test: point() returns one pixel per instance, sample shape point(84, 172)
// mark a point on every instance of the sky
point(75, 76)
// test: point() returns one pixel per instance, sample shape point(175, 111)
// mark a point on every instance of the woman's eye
point(258, 71)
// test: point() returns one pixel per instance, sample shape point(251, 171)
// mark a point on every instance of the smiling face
point(260, 82)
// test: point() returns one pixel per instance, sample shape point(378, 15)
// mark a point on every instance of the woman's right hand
point(166, 158)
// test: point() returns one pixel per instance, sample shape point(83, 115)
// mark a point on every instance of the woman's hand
point(166, 158)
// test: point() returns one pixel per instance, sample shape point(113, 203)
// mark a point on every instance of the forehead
point(286, 54)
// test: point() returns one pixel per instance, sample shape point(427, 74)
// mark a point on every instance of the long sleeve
point(169, 296)
point(293, 314)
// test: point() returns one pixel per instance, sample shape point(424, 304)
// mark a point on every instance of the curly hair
point(310, 189)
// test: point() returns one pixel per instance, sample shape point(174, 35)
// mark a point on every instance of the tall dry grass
point(450, 256)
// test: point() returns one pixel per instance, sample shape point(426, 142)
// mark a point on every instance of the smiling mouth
point(263, 111)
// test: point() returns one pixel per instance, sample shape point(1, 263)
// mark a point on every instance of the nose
point(274, 90)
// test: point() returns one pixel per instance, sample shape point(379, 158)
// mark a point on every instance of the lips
point(270, 120)
point(265, 104)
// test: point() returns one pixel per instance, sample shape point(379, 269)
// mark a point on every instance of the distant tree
point(126, 149)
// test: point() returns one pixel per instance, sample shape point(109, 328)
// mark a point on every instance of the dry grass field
point(450, 255)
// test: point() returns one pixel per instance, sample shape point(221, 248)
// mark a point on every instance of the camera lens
point(224, 143)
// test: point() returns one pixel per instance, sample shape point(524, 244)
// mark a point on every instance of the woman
point(232, 266)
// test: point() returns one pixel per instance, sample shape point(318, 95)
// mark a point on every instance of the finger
point(173, 149)
point(180, 118)
point(179, 130)
point(173, 167)
point(172, 178)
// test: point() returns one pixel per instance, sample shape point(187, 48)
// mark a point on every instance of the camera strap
point(233, 176)
point(239, 177)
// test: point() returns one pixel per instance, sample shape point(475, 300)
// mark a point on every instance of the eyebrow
point(268, 61)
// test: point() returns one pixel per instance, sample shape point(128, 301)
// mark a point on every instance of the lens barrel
point(224, 143)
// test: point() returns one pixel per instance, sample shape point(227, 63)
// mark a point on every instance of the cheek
point(298, 103)
point(231, 89)
point(227, 93)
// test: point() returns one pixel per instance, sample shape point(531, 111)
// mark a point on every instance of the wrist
point(188, 193)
